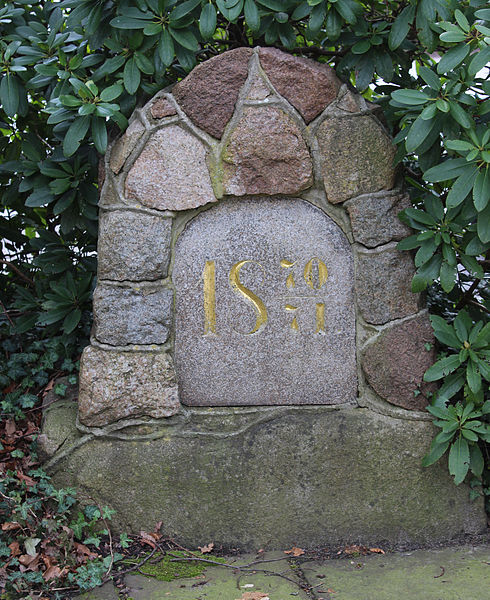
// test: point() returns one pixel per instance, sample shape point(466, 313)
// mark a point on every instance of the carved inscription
point(209, 295)
point(264, 306)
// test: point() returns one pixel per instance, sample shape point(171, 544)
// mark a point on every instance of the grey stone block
point(118, 385)
point(133, 246)
point(357, 157)
point(132, 315)
point(374, 218)
point(276, 478)
point(383, 284)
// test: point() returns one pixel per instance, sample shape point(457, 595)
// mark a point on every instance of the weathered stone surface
point(395, 363)
point(258, 89)
point(118, 385)
point(278, 343)
point(408, 575)
point(132, 315)
point(209, 93)
point(276, 478)
point(133, 246)
point(162, 108)
point(383, 285)
point(309, 86)
point(171, 172)
point(350, 102)
point(108, 195)
point(58, 420)
point(357, 157)
point(266, 154)
point(374, 218)
point(125, 145)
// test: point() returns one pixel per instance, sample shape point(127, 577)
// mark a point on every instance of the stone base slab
point(266, 477)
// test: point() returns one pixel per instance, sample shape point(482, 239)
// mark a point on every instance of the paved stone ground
point(457, 573)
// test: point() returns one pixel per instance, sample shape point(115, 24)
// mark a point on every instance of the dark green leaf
point(481, 189)
point(479, 61)
point(460, 115)
point(207, 20)
point(401, 27)
point(448, 276)
point(419, 130)
point(9, 95)
point(99, 133)
point(453, 58)
point(461, 187)
point(459, 460)
point(185, 38)
point(436, 451)
point(166, 48)
point(476, 460)
point(131, 76)
point(442, 367)
point(447, 170)
point(252, 16)
point(430, 78)
point(111, 93)
point(410, 97)
point(483, 225)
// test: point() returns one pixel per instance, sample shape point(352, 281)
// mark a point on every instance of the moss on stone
point(167, 570)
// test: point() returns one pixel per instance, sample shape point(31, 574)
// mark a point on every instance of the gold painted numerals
point(240, 289)
point(315, 275)
point(309, 273)
point(209, 277)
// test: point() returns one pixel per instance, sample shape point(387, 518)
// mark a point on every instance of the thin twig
point(137, 566)
point(234, 567)
point(468, 294)
point(18, 271)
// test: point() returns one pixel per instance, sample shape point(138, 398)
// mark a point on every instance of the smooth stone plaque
point(264, 306)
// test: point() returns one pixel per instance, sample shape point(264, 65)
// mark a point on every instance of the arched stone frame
point(248, 123)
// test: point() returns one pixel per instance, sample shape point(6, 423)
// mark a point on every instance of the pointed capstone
point(276, 161)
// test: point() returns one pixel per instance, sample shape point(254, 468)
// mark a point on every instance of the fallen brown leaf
point(149, 538)
point(14, 548)
point(294, 551)
point(84, 550)
point(207, 548)
point(377, 551)
point(53, 572)
point(10, 526)
point(27, 559)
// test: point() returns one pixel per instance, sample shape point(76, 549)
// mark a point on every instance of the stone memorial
point(255, 373)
